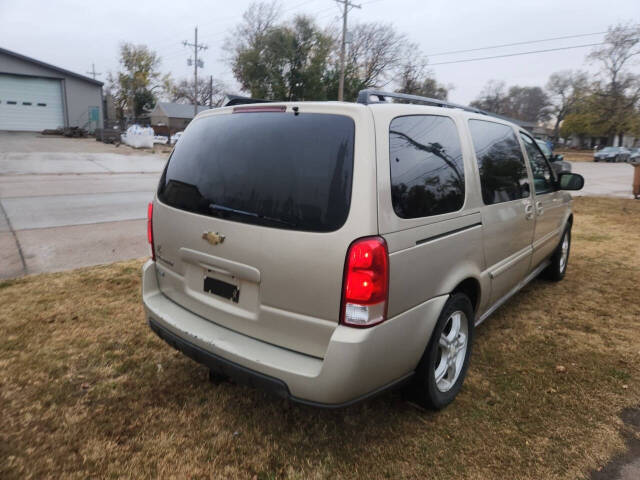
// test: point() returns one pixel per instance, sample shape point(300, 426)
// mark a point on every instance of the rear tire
point(560, 258)
point(443, 366)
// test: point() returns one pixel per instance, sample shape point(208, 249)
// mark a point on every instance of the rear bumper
point(358, 363)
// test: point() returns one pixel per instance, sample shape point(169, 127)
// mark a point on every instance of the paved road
point(605, 179)
point(67, 203)
point(65, 209)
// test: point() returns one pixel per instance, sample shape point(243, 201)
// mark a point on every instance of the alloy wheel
point(564, 252)
point(452, 350)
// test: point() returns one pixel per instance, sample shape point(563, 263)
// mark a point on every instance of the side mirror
point(557, 158)
point(571, 181)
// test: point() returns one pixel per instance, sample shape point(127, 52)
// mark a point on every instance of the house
point(35, 95)
point(543, 133)
point(583, 141)
point(169, 118)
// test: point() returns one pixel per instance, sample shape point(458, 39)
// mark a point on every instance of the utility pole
point(196, 63)
point(347, 6)
point(93, 72)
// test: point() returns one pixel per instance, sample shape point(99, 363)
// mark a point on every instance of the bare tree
point(375, 54)
point(528, 103)
point(566, 88)
point(416, 79)
point(621, 45)
point(492, 98)
point(524, 103)
point(618, 89)
point(256, 22)
point(375, 51)
point(247, 43)
point(184, 91)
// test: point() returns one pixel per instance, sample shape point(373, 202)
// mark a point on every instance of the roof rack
point(364, 97)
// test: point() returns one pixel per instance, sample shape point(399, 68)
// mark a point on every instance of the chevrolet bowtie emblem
point(213, 238)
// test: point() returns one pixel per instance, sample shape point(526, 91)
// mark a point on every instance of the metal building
point(35, 96)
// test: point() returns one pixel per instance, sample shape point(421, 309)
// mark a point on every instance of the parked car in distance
point(328, 251)
point(634, 155)
point(612, 154)
point(557, 160)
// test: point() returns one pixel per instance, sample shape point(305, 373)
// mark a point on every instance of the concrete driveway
point(605, 179)
point(66, 203)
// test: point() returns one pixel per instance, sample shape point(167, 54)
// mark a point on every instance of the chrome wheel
point(452, 349)
point(564, 252)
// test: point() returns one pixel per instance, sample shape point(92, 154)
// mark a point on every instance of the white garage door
point(28, 103)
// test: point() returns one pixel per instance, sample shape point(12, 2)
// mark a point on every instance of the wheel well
point(471, 288)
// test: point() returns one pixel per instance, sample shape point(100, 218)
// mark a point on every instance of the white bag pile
point(139, 137)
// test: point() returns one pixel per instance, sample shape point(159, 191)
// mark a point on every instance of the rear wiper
point(220, 208)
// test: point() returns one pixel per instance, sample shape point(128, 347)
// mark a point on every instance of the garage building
point(35, 96)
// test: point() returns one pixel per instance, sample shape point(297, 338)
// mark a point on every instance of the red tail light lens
point(366, 283)
point(150, 230)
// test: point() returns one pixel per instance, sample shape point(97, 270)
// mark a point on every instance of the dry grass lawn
point(86, 390)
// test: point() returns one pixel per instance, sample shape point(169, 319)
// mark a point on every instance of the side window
point(427, 170)
point(503, 174)
point(543, 178)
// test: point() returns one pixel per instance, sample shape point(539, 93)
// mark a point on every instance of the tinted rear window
point(269, 168)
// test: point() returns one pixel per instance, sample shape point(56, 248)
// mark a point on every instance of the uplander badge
point(213, 238)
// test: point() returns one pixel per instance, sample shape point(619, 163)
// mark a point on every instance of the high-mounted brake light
point(365, 290)
point(150, 230)
point(261, 108)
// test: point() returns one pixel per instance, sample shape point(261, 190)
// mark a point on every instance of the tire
point(560, 258)
point(438, 394)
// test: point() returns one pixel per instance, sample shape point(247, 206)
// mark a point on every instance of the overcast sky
point(73, 34)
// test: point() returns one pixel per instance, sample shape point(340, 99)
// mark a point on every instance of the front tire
point(444, 364)
point(560, 258)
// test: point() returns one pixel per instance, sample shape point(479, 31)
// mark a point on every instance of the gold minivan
point(327, 251)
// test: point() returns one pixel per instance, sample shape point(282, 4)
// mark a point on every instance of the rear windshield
point(269, 168)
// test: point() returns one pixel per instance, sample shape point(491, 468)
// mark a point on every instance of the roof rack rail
point(364, 97)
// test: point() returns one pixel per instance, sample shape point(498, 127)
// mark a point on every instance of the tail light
point(366, 283)
point(150, 230)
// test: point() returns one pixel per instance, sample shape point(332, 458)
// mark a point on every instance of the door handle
point(528, 211)
point(539, 208)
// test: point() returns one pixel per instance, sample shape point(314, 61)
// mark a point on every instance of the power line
point(451, 52)
point(518, 54)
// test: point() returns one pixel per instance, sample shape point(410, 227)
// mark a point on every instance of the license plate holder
point(222, 289)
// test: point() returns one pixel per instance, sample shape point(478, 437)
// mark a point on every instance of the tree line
point(296, 59)
point(604, 105)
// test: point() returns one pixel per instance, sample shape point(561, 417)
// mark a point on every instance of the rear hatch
point(255, 211)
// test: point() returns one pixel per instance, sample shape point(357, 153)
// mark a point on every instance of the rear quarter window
point(427, 170)
point(274, 169)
